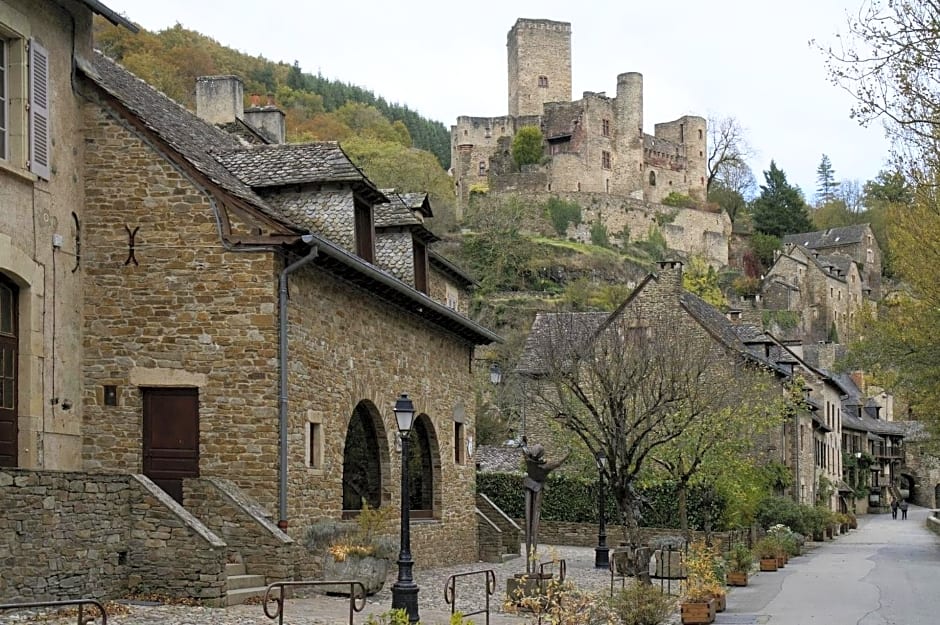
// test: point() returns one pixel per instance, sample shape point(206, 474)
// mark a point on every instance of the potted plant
point(766, 549)
point(740, 560)
point(360, 551)
point(699, 602)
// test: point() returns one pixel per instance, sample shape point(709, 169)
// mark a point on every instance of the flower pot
point(768, 564)
point(369, 570)
point(698, 612)
point(737, 578)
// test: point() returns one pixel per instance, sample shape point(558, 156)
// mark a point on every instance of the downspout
point(282, 391)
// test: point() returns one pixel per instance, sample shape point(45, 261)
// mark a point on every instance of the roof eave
point(111, 15)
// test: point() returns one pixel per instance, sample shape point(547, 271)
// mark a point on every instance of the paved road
point(885, 573)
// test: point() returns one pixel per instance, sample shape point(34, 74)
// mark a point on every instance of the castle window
point(487, 133)
point(605, 127)
point(482, 168)
point(605, 159)
point(652, 178)
point(543, 81)
point(870, 256)
point(699, 134)
point(681, 133)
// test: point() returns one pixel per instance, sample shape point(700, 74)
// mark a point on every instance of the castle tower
point(628, 132)
point(539, 65)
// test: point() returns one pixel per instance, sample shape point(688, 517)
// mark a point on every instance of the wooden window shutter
point(38, 110)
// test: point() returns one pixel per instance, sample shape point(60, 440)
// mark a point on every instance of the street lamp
point(405, 590)
point(496, 374)
point(601, 552)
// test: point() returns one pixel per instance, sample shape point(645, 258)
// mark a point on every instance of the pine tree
point(827, 187)
point(780, 208)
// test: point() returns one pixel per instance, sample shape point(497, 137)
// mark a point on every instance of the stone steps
point(242, 586)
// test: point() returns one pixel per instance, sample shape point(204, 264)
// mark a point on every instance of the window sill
point(19, 172)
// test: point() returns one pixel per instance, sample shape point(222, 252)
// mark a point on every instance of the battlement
point(561, 27)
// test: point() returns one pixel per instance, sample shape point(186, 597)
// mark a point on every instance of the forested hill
point(172, 59)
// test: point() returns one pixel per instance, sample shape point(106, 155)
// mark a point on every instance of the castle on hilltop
point(592, 145)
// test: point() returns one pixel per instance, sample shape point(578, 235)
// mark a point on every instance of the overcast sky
point(749, 59)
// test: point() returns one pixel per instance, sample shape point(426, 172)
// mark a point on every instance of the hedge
point(574, 500)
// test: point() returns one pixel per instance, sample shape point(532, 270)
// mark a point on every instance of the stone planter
point(698, 613)
point(368, 570)
point(736, 578)
point(768, 564)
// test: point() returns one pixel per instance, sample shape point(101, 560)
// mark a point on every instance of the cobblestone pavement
point(319, 609)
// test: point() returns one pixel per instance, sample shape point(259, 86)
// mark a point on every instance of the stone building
point(828, 293)
point(595, 144)
point(42, 193)
point(855, 242)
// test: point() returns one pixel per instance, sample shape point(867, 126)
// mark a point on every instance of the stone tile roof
point(719, 327)
point(419, 202)
point(548, 328)
point(246, 132)
point(277, 165)
point(181, 129)
point(862, 421)
point(450, 269)
point(831, 237)
point(110, 14)
point(394, 213)
point(497, 458)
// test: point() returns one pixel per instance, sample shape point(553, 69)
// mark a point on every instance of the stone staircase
point(241, 586)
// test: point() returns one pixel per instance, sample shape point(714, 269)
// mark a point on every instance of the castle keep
point(595, 144)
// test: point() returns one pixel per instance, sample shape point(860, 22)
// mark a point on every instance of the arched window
point(543, 81)
point(424, 467)
point(8, 364)
point(365, 460)
point(652, 178)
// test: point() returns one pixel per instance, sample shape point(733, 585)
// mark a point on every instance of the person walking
point(894, 508)
point(903, 506)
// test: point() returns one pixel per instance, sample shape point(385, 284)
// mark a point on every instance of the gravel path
point(320, 610)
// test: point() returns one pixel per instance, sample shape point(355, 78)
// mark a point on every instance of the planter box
point(367, 569)
point(698, 613)
point(721, 603)
point(737, 579)
point(781, 561)
point(768, 564)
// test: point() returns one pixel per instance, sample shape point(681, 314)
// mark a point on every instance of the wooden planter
point(781, 561)
point(721, 603)
point(737, 579)
point(768, 564)
point(698, 613)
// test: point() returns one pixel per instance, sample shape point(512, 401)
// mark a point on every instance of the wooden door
point(8, 370)
point(171, 437)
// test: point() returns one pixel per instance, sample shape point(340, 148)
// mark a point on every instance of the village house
point(243, 314)
point(856, 242)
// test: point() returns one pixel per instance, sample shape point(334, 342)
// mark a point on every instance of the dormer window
point(365, 231)
point(420, 257)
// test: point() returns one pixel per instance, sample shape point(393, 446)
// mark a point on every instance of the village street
point(884, 573)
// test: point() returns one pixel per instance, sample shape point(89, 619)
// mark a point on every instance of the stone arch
point(424, 469)
point(908, 485)
point(365, 460)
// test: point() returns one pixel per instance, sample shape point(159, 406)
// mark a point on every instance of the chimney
point(269, 119)
point(734, 315)
point(859, 378)
point(220, 99)
point(670, 272)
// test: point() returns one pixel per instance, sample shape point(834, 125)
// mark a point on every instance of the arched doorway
point(9, 328)
point(936, 496)
point(424, 468)
point(365, 460)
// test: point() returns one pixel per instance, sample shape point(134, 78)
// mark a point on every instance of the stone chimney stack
point(220, 99)
point(268, 118)
point(670, 274)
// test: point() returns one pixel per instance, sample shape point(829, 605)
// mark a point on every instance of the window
point(605, 127)
point(8, 370)
point(652, 178)
point(459, 454)
point(543, 82)
point(314, 444)
point(365, 232)
point(870, 256)
point(452, 295)
point(420, 258)
point(482, 170)
point(605, 159)
point(699, 134)
point(24, 96)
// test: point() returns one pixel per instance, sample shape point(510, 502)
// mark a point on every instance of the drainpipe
point(282, 390)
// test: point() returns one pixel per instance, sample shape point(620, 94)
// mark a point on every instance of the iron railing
point(81, 603)
point(357, 596)
point(450, 591)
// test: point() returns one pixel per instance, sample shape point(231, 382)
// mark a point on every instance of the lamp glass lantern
point(496, 374)
point(404, 413)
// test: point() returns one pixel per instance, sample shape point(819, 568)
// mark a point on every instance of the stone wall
point(585, 534)
point(67, 535)
point(536, 49)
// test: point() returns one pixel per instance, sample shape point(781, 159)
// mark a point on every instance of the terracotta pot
point(768, 564)
point(737, 579)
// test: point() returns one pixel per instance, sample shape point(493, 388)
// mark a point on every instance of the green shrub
point(642, 604)
point(527, 146)
point(679, 200)
point(599, 234)
point(562, 213)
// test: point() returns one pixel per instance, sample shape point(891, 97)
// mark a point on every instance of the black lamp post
point(601, 552)
point(405, 590)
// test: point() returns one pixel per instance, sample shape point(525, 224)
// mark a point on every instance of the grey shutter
point(38, 110)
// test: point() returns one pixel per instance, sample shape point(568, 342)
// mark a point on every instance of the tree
point(527, 146)
point(826, 185)
point(701, 278)
point(730, 201)
point(780, 208)
point(888, 61)
point(628, 384)
point(728, 151)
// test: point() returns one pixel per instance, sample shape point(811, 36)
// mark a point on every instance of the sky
point(746, 59)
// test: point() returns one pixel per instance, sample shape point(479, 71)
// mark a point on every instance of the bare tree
point(728, 151)
point(627, 385)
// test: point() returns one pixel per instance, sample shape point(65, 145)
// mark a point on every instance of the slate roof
point(417, 202)
point(864, 422)
point(448, 268)
point(110, 14)
point(547, 327)
point(181, 129)
point(831, 237)
point(718, 326)
point(397, 213)
point(502, 459)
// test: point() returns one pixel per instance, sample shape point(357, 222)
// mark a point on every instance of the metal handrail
point(357, 600)
point(450, 592)
point(562, 569)
point(61, 604)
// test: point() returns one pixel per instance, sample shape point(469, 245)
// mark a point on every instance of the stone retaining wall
point(585, 534)
point(933, 522)
point(66, 535)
